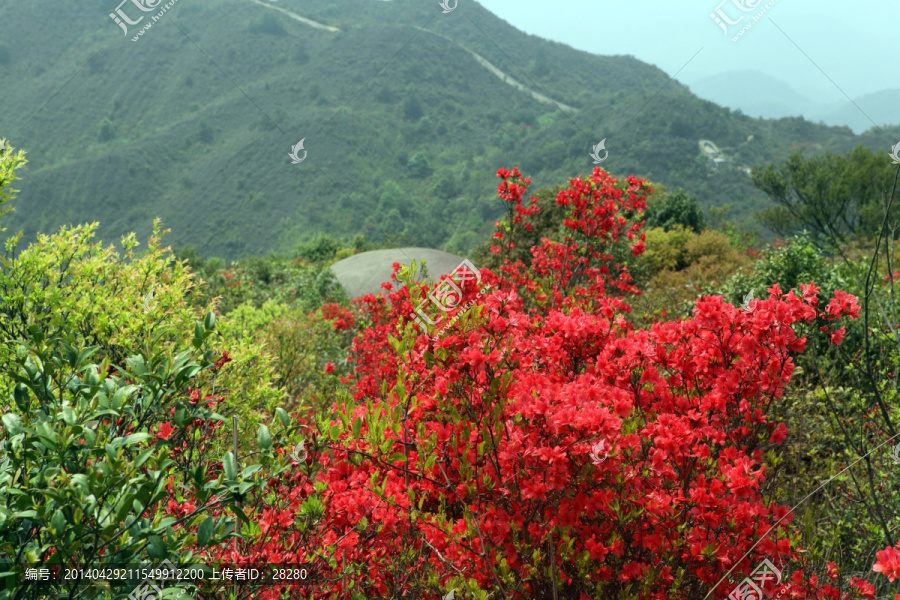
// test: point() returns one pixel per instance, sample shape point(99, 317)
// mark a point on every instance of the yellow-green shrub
point(666, 249)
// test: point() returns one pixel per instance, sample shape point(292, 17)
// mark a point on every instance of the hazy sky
point(856, 44)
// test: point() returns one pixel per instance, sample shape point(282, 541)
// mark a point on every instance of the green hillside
point(404, 127)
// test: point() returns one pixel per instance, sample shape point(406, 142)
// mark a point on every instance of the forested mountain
point(405, 112)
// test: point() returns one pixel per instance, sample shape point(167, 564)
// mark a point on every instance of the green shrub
point(675, 209)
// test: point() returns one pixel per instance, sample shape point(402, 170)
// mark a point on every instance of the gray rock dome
point(364, 273)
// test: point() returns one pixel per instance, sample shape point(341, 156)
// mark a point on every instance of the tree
point(447, 184)
point(320, 249)
point(412, 108)
point(678, 208)
point(107, 131)
point(836, 198)
point(419, 165)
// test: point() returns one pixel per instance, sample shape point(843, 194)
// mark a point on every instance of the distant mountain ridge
point(757, 94)
point(404, 128)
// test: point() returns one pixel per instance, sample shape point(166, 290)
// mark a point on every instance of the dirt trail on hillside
point(297, 17)
point(507, 79)
point(480, 59)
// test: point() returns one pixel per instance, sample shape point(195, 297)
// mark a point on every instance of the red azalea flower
point(164, 431)
point(838, 336)
point(888, 563)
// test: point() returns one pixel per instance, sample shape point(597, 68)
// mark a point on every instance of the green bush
point(87, 464)
point(109, 368)
point(666, 249)
point(789, 264)
point(676, 209)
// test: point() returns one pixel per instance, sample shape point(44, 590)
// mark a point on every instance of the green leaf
point(210, 321)
point(263, 437)
point(13, 423)
point(85, 354)
point(142, 458)
point(283, 416)
point(357, 427)
point(249, 471)
point(205, 531)
point(21, 396)
point(429, 464)
point(156, 548)
point(230, 467)
point(241, 514)
point(136, 438)
point(398, 456)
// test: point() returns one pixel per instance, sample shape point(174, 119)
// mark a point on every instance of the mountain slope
point(404, 128)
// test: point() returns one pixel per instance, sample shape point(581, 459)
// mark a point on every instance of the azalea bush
point(541, 446)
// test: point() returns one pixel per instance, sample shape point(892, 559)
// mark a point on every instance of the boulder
point(364, 273)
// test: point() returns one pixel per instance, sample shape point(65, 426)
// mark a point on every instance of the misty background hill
point(405, 113)
point(758, 94)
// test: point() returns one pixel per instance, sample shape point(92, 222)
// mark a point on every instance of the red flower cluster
point(221, 361)
point(341, 315)
point(582, 269)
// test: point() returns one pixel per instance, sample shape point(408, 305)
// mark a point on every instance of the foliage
point(676, 209)
point(103, 364)
point(88, 450)
point(835, 197)
point(302, 346)
point(10, 161)
point(679, 266)
point(790, 263)
point(255, 280)
point(321, 249)
point(667, 248)
point(65, 284)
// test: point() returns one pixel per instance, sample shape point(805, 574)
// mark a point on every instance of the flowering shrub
point(342, 316)
point(545, 447)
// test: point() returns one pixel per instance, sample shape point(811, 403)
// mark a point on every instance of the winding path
point(297, 17)
point(478, 58)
